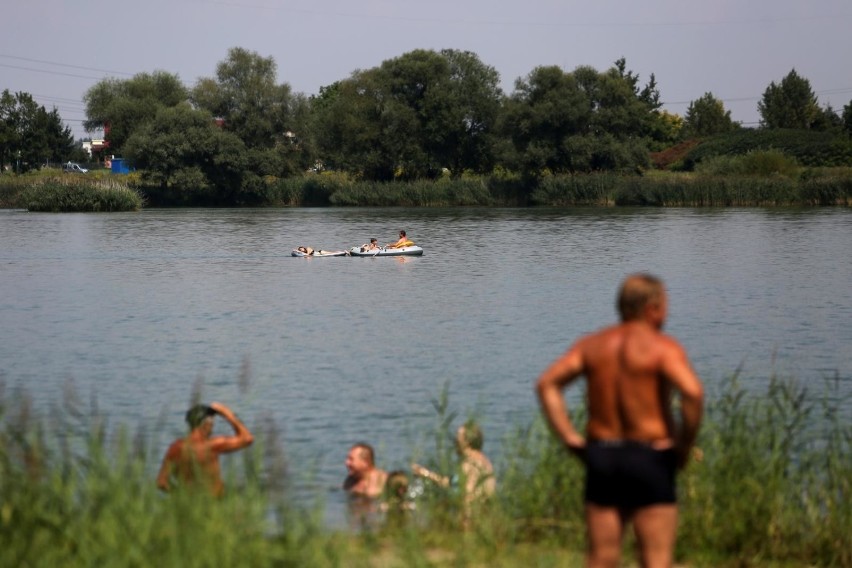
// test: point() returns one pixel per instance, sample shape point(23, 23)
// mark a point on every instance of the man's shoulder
point(604, 334)
point(480, 462)
point(176, 447)
point(669, 342)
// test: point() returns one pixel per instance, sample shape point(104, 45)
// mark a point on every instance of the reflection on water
point(139, 307)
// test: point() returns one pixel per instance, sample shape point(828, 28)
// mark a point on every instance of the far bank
point(102, 191)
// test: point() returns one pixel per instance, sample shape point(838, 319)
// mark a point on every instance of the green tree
point(582, 121)
point(827, 120)
point(459, 112)
point(181, 149)
point(707, 116)
point(120, 106)
point(548, 117)
point(348, 122)
point(789, 104)
point(672, 126)
point(411, 116)
point(246, 95)
point(847, 118)
point(9, 135)
point(30, 135)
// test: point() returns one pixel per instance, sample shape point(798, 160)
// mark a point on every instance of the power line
point(48, 72)
point(58, 99)
point(836, 91)
point(30, 60)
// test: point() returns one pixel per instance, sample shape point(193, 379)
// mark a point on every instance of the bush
point(78, 195)
point(572, 190)
point(690, 190)
point(754, 163)
point(808, 147)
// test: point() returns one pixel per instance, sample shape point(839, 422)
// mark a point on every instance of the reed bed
point(340, 190)
point(694, 190)
point(799, 187)
point(69, 194)
point(595, 190)
point(773, 488)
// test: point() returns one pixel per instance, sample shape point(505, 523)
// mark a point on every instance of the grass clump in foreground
point(773, 489)
point(72, 194)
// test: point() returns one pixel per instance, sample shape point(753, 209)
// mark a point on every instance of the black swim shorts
point(629, 475)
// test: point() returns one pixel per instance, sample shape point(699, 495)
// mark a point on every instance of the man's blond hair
point(636, 292)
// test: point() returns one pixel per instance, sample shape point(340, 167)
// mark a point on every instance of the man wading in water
point(632, 447)
point(194, 460)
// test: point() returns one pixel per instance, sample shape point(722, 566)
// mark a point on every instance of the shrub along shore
point(805, 188)
point(71, 193)
point(773, 488)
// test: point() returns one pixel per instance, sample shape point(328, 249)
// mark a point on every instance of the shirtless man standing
point(632, 446)
point(195, 459)
point(364, 479)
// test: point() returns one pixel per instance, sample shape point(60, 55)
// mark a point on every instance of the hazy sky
point(57, 49)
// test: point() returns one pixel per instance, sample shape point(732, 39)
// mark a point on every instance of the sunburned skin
point(193, 461)
point(632, 370)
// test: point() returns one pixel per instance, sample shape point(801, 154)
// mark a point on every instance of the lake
point(138, 309)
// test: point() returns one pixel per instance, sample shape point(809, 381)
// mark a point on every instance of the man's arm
point(165, 475)
point(241, 438)
point(421, 471)
point(559, 375)
point(678, 371)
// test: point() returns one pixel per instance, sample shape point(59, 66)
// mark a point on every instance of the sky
point(56, 50)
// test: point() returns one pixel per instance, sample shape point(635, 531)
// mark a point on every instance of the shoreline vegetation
point(773, 488)
point(808, 187)
point(54, 193)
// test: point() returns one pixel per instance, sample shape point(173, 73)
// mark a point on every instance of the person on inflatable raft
point(402, 242)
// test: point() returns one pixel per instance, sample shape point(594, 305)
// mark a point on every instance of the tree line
point(422, 115)
point(30, 135)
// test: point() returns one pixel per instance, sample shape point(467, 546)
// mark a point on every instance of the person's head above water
point(469, 435)
point(196, 415)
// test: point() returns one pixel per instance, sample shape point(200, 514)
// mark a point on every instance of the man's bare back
point(194, 460)
point(631, 445)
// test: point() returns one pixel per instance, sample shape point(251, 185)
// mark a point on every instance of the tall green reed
point(774, 487)
point(774, 482)
point(78, 194)
point(75, 492)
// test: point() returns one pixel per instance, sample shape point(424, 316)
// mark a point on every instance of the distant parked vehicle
point(74, 168)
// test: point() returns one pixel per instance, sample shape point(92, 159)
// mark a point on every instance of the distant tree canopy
point(421, 115)
point(266, 116)
point(707, 116)
point(410, 117)
point(847, 118)
point(180, 148)
point(246, 96)
point(30, 136)
point(789, 104)
point(120, 106)
point(582, 121)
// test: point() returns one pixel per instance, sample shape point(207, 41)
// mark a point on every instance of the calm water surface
point(138, 309)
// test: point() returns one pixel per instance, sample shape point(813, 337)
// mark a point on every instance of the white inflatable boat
point(412, 250)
